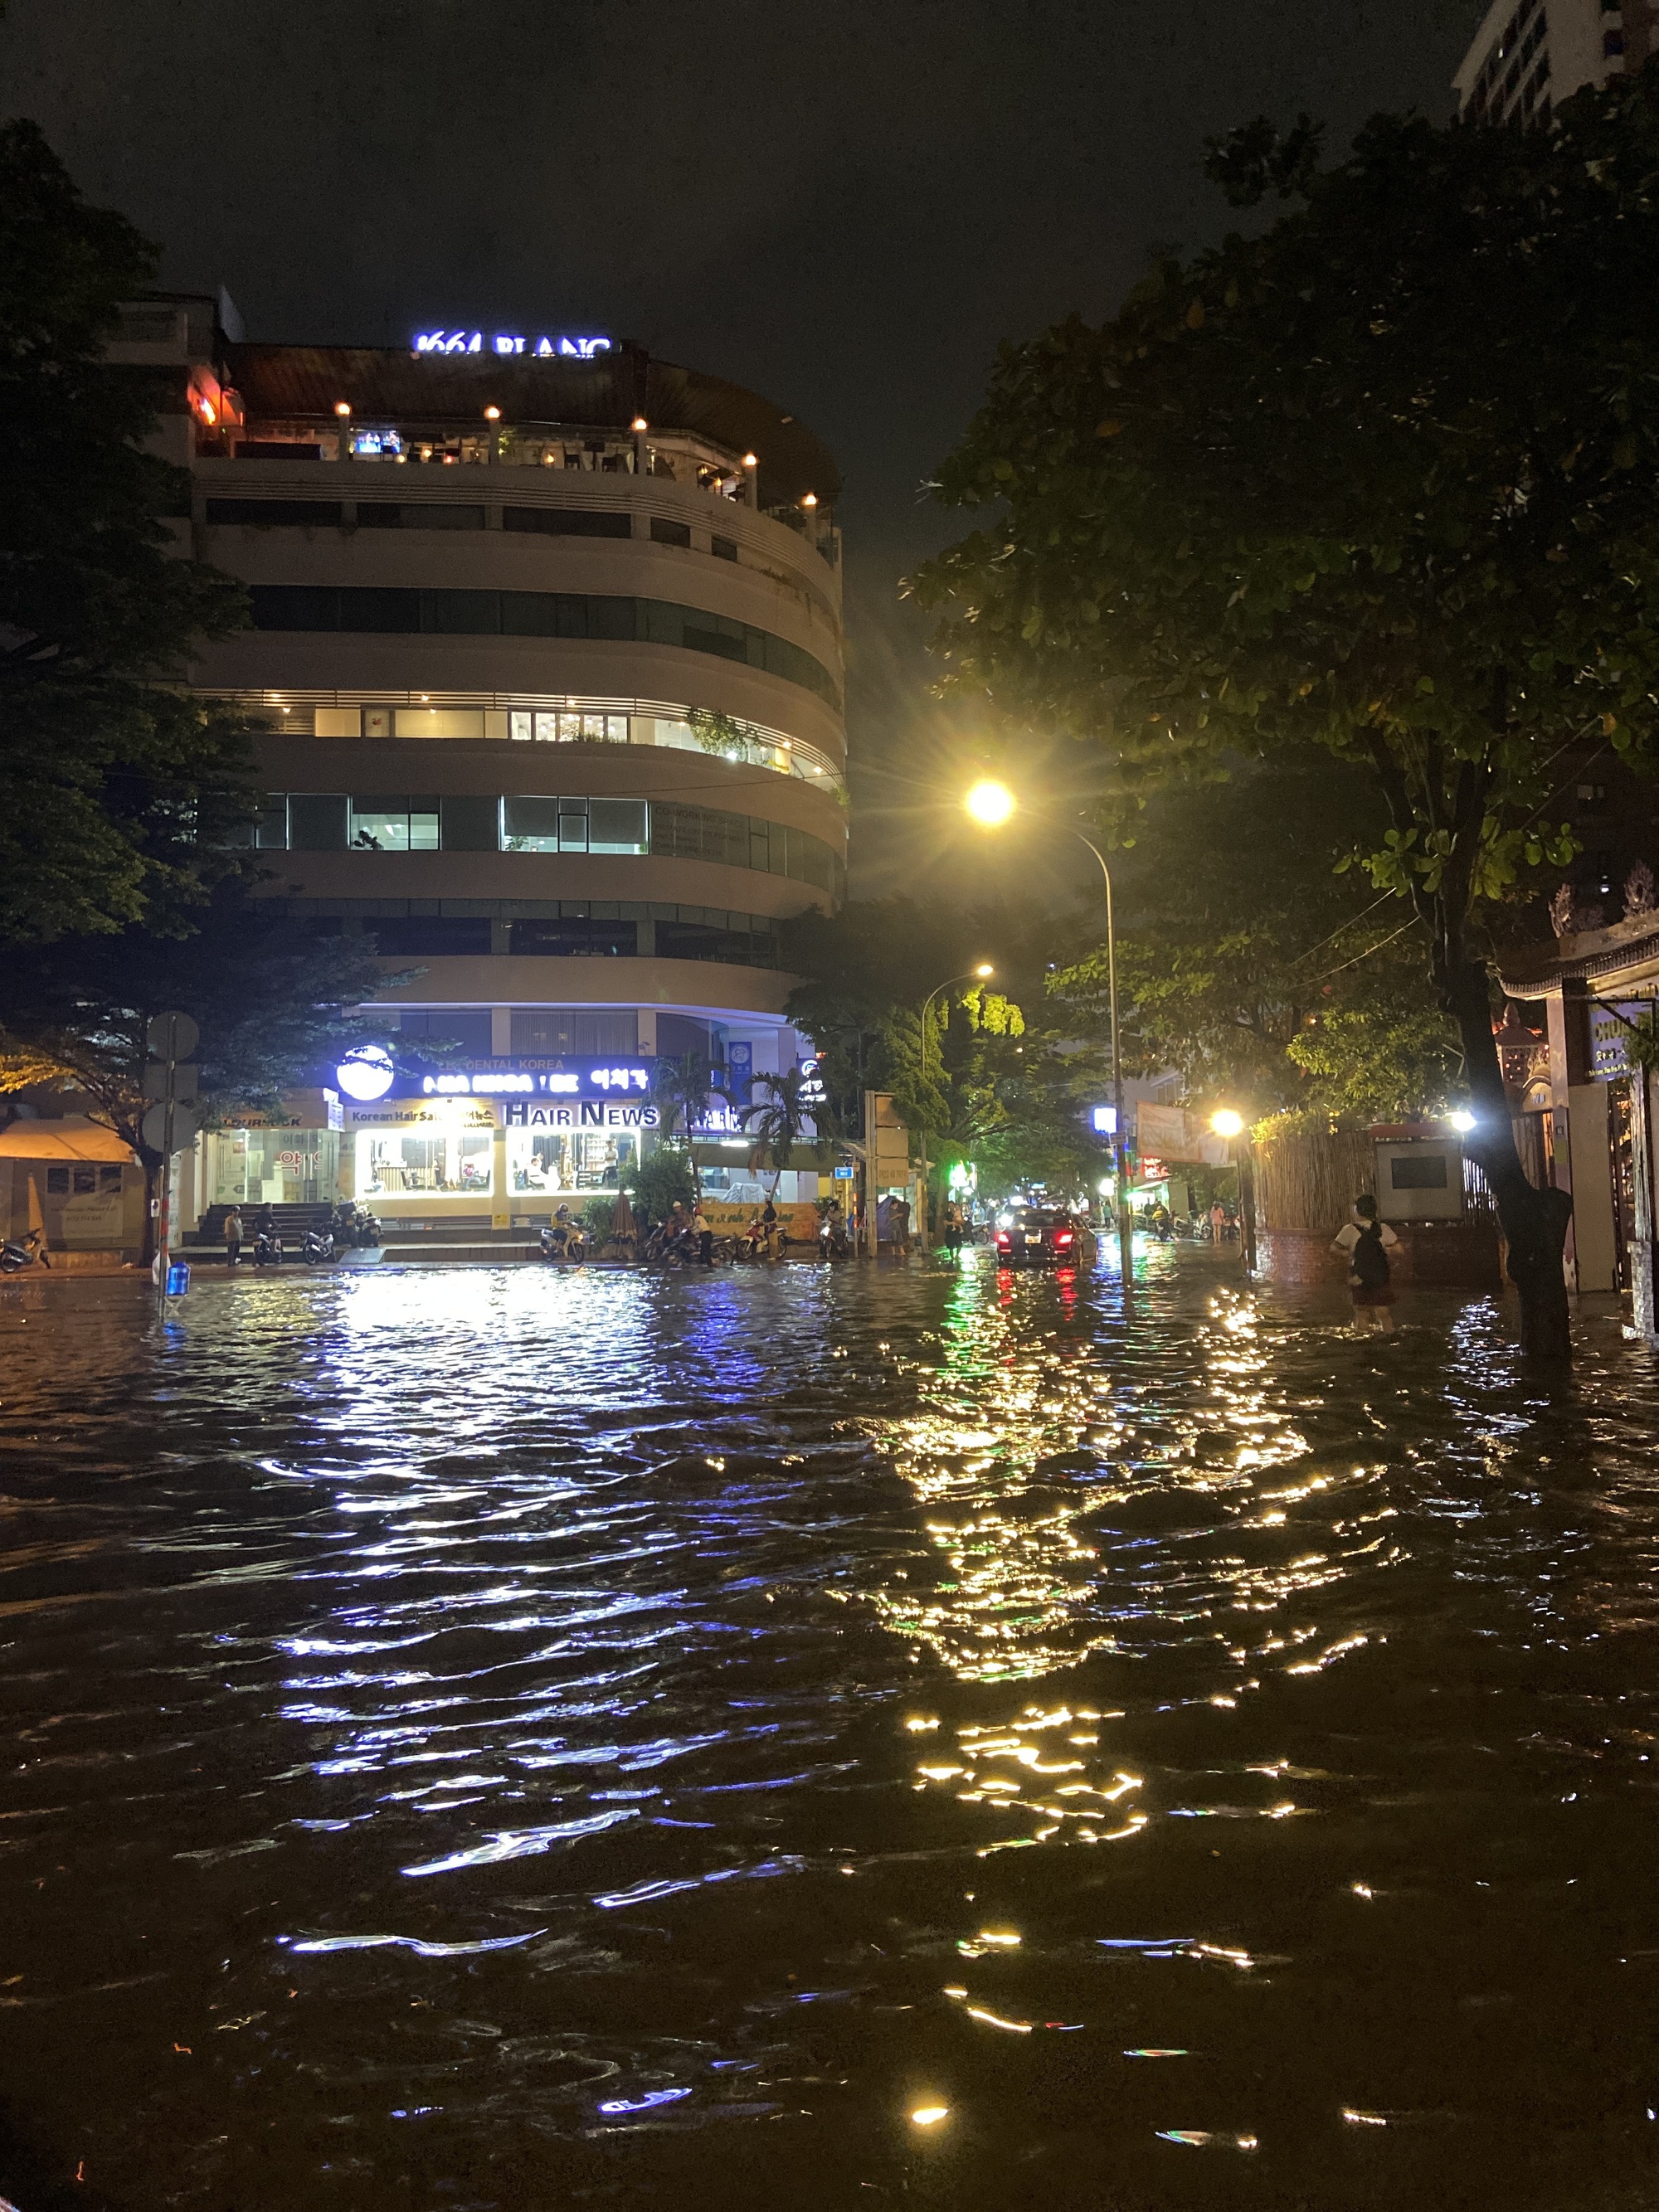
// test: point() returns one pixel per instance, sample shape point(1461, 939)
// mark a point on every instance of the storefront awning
point(74, 1138)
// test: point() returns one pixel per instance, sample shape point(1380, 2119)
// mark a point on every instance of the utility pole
point(171, 1080)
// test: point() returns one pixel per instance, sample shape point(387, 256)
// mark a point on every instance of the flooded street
point(496, 1738)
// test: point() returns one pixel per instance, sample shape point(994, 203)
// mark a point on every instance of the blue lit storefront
point(509, 1139)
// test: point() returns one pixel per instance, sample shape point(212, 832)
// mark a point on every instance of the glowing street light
point(992, 805)
point(1462, 1121)
point(1228, 1122)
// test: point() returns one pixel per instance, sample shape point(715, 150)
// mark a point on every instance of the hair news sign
point(579, 1113)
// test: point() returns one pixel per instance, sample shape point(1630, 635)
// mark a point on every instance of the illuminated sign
point(630, 1079)
point(579, 1113)
point(510, 343)
point(366, 1073)
point(1103, 1121)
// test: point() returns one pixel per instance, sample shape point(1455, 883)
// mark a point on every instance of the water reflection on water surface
point(492, 1738)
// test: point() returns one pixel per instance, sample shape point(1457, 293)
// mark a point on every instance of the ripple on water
point(483, 1738)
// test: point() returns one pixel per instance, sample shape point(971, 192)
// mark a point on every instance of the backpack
point(1370, 1262)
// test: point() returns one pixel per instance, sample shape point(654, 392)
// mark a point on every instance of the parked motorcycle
point(24, 1251)
point(318, 1248)
point(268, 1249)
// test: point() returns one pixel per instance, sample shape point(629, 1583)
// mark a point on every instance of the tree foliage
point(272, 1000)
point(1250, 964)
point(115, 788)
point(985, 1079)
point(1381, 479)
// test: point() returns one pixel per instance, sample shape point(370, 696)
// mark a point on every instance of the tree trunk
point(1535, 1222)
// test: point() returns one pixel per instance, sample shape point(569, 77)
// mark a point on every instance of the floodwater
point(504, 1739)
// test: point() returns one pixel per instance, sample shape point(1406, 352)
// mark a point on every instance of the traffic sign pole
point(171, 1038)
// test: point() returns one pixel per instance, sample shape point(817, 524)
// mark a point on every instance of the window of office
point(392, 823)
point(431, 936)
point(566, 728)
point(565, 1032)
point(578, 937)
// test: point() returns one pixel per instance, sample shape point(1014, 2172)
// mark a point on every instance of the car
point(1044, 1235)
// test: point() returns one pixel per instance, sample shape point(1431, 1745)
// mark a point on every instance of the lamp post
point(1227, 1123)
point(992, 805)
point(984, 971)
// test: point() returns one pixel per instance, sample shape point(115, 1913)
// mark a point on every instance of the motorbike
point(24, 1251)
point(267, 1249)
point(318, 1248)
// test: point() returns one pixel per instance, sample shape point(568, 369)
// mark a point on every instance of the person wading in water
point(1365, 1242)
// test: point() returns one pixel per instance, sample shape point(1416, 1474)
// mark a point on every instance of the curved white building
point(548, 648)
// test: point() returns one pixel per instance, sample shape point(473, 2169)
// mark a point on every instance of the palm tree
point(778, 1121)
point(681, 1088)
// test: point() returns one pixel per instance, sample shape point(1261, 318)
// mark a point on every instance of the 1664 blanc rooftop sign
point(510, 343)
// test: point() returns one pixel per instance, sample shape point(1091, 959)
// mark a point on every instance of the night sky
point(845, 206)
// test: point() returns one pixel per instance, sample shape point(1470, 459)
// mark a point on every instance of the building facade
point(1530, 54)
point(546, 645)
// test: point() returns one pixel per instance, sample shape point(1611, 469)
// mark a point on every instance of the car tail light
point(1004, 1240)
point(1064, 1237)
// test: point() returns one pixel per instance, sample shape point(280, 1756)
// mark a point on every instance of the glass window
point(469, 1027)
point(559, 1031)
point(394, 823)
point(617, 825)
point(431, 1158)
point(440, 721)
point(470, 825)
point(317, 822)
point(431, 936)
point(577, 937)
point(520, 724)
point(558, 1161)
point(529, 825)
point(665, 532)
point(573, 825)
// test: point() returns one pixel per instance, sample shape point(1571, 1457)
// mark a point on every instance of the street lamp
point(992, 805)
point(984, 971)
point(1227, 1122)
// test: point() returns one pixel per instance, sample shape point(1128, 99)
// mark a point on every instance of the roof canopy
point(607, 394)
point(74, 1138)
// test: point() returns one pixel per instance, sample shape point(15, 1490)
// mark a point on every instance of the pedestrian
point(1217, 1223)
point(233, 1237)
point(953, 1228)
point(705, 1236)
point(1365, 1242)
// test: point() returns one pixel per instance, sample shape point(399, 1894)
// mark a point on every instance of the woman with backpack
point(1365, 1242)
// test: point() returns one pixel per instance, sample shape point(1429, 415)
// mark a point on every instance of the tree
point(778, 1121)
point(1248, 962)
point(682, 1087)
point(115, 786)
point(988, 1086)
point(1379, 479)
point(272, 1001)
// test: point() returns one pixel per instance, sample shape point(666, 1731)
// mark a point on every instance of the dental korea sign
point(508, 344)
